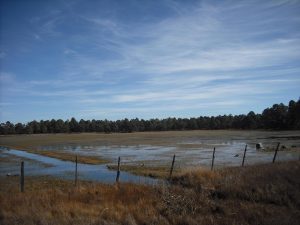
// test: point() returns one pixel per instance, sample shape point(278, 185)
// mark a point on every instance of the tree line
point(277, 117)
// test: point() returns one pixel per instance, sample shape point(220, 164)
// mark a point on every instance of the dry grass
point(66, 156)
point(58, 202)
point(147, 171)
point(151, 138)
point(263, 194)
point(162, 138)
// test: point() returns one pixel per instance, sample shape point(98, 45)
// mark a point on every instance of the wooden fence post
point(172, 166)
point(244, 156)
point(275, 154)
point(213, 159)
point(76, 175)
point(22, 177)
point(118, 172)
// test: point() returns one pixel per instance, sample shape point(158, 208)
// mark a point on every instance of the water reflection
point(65, 169)
point(188, 153)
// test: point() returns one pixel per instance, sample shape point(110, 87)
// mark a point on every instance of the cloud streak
point(215, 54)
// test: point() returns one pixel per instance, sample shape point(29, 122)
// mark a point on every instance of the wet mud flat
point(192, 148)
point(155, 149)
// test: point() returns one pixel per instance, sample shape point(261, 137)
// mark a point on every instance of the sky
point(110, 59)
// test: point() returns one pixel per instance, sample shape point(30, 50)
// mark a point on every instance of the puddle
point(37, 165)
point(229, 152)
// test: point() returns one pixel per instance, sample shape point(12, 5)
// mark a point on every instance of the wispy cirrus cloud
point(215, 54)
point(199, 40)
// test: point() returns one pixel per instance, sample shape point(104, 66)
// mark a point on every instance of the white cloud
point(199, 39)
point(204, 55)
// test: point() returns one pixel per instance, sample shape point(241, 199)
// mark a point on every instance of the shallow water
point(42, 165)
point(188, 153)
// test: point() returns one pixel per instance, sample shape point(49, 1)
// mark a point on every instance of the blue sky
point(146, 59)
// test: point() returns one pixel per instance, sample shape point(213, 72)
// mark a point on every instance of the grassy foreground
point(262, 194)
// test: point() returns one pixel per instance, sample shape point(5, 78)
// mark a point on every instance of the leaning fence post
point(213, 159)
point(76, 171)
point(275, 154)
point(22, 177)
point(244, 155)
point(172, 166)
point(118, 172)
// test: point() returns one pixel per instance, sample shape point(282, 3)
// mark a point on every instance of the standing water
point(37, 165)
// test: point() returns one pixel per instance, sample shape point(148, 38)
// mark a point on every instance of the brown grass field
point(162, 138)
point(261, 194)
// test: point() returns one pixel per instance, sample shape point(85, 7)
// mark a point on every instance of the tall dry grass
point(264, 194)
